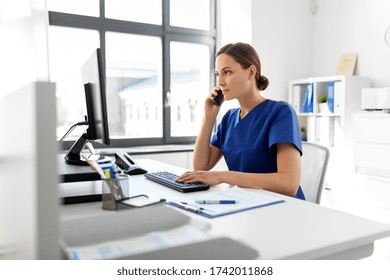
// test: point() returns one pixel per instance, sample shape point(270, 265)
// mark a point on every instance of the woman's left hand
point(205, 177)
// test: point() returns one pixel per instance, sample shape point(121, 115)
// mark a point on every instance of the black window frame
point(167, 34)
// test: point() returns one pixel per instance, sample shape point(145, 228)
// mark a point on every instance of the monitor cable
point(71, 129)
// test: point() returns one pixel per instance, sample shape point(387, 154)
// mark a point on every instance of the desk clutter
point(115, 183)
point(156, 232)
point(121, 163)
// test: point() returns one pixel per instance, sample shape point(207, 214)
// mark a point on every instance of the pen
point(184, 205)
point(95, 167)
point(215, 201)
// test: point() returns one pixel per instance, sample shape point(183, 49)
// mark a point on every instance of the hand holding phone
point(218, 99)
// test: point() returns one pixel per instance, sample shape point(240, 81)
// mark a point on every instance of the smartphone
point(218, 99)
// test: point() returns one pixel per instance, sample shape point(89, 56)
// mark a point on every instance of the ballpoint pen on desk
point(230, 201)
point(186, 206)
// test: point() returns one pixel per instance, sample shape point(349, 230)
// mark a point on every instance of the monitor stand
point(74, 156)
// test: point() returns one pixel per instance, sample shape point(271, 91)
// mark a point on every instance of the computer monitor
point(95, 98)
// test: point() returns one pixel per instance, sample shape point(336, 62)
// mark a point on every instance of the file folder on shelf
point(245, 200)
point(331, 96)
point(307, 103)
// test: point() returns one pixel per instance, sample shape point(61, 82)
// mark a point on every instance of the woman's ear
point(252, 71)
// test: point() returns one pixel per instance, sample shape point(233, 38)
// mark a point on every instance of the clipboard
point(245, 201)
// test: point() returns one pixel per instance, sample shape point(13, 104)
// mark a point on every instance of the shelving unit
point(330, 128)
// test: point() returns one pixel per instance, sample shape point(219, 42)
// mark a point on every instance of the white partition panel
point(28, 189)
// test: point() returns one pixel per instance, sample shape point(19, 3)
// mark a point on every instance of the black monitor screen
point(95, 93)
point(93, 78)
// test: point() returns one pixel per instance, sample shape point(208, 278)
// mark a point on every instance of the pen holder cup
point(113, 190)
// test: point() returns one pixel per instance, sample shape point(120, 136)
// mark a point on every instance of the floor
point(358, 194)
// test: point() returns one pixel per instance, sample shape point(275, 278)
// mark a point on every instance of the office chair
point(314, 163)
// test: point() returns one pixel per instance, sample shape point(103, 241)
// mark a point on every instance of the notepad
point(245, 200)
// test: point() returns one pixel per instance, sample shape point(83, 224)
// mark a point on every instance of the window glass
point(84, 7)
point(145, 11)
point(69, 48)
point(190, 14)
point(190, 75)
point(134, 65)
point(134, 85)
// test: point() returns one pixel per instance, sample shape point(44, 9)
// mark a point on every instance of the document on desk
point(243, 200)
point(151, 242)
point(129, 233)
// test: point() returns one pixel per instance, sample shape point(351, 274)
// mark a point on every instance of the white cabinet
point(334, 126)
point(371, 147)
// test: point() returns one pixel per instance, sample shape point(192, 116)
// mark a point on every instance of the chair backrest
point(314, 163)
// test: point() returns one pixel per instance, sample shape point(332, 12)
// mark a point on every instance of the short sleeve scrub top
point(249, 144)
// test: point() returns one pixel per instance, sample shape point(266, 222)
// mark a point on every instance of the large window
point(190, 71)
point(158, 63)
point(134, 76)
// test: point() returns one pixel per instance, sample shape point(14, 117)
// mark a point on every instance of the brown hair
point(246, 56)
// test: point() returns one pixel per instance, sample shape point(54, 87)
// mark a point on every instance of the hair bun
point(262, 83)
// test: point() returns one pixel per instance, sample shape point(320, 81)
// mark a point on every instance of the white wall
point(345, 26)
point(294, 43)
point(229, 14)
point(283, 36)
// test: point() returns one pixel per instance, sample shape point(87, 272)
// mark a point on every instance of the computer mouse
point(134, 170)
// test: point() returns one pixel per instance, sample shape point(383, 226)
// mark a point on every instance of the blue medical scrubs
point(249, 145)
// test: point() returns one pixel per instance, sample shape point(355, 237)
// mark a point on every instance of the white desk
point(292, 230)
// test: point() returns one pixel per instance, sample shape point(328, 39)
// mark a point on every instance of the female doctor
point(260, 140)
